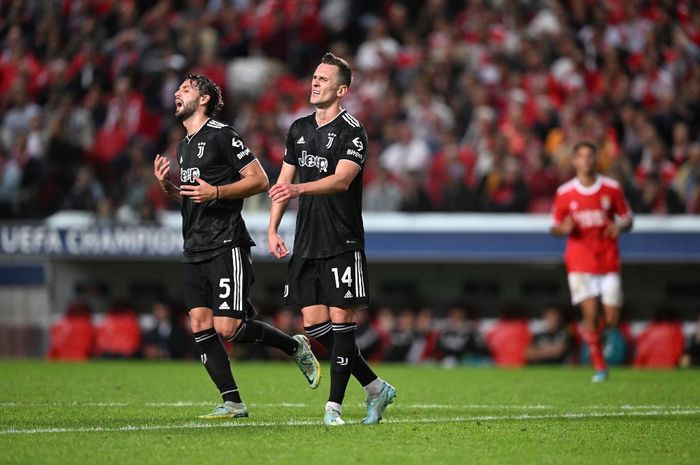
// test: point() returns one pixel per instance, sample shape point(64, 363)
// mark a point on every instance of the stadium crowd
point(405, 335)
point(469, 105)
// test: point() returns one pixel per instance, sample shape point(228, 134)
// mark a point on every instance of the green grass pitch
point(146, 413)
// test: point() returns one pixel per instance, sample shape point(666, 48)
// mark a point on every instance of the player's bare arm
point(615, 228)
point(339, 181)
point(275, 242)
point(253, 181)
point(564, 228)
point(161, 168)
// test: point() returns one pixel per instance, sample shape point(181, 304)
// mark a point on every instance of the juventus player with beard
point(217, 171)
point(327, 274)
point(591, 210)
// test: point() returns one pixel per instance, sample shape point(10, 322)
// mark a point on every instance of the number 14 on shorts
point(346, 277)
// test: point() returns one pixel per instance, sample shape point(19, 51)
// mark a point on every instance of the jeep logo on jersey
point(189, 175)
point(310, 160)
point(200, 147)
point(331, 136)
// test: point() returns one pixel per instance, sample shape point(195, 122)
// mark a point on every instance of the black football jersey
point(327, 225)
point(216, 154)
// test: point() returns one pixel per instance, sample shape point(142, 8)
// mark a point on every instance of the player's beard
point(187, 110)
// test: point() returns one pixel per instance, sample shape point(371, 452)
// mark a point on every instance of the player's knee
point(342, 315)
point(200, 319)
point(227, 329)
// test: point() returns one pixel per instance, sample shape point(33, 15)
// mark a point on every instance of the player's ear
point(204, 99)
point(342, 90)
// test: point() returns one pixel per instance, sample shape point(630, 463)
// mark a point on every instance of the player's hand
point(566, 226)
point(202, 192)
point(612, 230)
point(283, 192)
point(276, 245)
point(161, 167)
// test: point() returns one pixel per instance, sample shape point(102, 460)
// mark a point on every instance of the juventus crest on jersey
point(332, 224)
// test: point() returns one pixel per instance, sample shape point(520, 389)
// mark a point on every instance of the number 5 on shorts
point(224, 284)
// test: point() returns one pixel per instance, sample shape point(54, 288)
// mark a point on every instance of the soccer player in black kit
point(327, 274)
point(217, 171)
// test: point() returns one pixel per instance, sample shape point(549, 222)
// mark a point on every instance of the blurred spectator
point(119, 334)
point(687, 180)
point(85, 192)
point(73, 336)
point(451, 179)
point(415, 198)
point(661, 344)
point(401, 337)
point(540, 76)
point(167, 338)
point(409, 154)
point(369, 339)
point(10, 180)
point(509, 338)
point(425, 347)
point(383, 193)
point(692, 353)
point(459, 338)
point(503, 188)
point(555, 343)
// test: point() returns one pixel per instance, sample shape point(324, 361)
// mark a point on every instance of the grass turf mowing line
point(245, 423)
point(411, 434)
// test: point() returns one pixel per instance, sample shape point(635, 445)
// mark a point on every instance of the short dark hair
point(344, 71)
point(585, 143)
point(206, 86)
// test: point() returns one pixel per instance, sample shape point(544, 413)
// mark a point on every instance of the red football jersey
point(592, 209)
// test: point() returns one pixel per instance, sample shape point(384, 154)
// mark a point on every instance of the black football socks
point(215, 360)
point(259, 332)
point(343, 355)
point(323, 333)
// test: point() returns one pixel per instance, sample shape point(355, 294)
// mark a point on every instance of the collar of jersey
point(588, 190)
point(342, 110)
point(189, 138)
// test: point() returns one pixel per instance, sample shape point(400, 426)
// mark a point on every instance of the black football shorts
point(222, 284)
point(339, 281)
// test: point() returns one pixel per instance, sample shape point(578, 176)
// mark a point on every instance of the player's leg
point(611, 296)
point(343, 355)
point(585, 289)
point(591, 335)
point(232, 279)
point(344, 285)
point(615, 344)
point(211, 349)
point(318, 326)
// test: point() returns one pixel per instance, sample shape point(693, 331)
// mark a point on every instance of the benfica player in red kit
point(592, 211)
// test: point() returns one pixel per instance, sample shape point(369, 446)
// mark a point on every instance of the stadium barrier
point(451, 256)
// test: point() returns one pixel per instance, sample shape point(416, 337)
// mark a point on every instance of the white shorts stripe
point(237, 284)
point(359, 276)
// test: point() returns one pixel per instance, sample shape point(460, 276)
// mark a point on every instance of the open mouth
point(178, 104)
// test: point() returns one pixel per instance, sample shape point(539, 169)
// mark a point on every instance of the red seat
point(660, 345)
point(72, 338)
point(508, 341)
point(119, 335)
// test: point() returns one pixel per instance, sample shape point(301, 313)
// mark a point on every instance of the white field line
point(274, 405)
point(249, 424)
point(292, 405)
